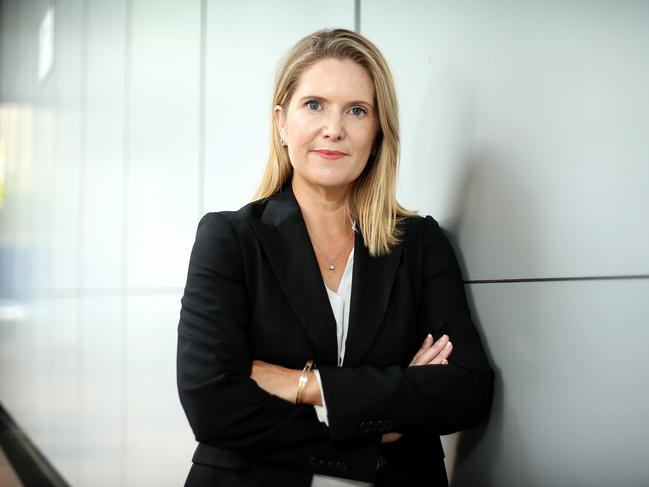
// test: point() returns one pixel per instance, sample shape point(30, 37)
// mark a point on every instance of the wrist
point(312, 391)
point(304, 383)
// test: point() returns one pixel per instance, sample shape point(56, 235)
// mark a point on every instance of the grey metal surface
point(524, 129)
point(571, 399)
point(524, 132)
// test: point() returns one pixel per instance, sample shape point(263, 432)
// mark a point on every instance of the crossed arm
point(282, 382)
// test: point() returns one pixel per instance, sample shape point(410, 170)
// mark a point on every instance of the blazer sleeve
point(434, 399)
point(224, 405)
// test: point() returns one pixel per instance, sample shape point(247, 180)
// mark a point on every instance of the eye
point(313, 105)
point(358, 111)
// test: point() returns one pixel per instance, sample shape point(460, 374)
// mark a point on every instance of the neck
point(324, 209)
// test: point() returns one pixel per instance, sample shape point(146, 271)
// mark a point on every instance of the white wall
point(523, 127)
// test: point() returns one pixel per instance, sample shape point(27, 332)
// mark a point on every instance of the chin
point(326, 179)
point(329, 183)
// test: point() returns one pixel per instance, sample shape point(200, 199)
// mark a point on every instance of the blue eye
point(313, 105)
point(358, 111)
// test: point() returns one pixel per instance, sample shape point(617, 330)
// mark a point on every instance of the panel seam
point(557, 279)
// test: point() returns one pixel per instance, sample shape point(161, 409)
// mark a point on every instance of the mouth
point(329, 154)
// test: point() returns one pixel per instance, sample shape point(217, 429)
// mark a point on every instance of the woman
point(324, 336)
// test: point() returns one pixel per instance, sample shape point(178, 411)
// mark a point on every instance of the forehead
point(336, 79)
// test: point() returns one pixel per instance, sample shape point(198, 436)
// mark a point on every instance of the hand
point(275, 379)
point(433, 352)
point(390, 437)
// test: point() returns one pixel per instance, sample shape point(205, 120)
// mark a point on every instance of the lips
point(329, 154)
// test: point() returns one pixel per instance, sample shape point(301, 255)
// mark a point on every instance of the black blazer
point(254, 291)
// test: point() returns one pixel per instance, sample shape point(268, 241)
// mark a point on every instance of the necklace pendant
point(332, 265)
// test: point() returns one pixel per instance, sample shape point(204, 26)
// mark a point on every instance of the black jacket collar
point(285, 239)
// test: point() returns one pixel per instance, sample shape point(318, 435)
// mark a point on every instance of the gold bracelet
point(304, 378)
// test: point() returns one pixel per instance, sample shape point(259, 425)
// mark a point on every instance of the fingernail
point(429, 337)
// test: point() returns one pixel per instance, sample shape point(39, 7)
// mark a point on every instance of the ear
point(280, 120)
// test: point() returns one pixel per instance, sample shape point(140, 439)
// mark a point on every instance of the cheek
point(363, 138)
point(360, 167)
point(303, 128)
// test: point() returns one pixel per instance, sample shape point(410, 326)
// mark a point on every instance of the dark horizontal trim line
point(557, 279)
point(95, 292)
point(30, 465)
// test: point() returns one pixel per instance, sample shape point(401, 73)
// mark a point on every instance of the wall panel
point(570, 401)
point(157, 430)
point(523, 128)
point(101, 400)
point(239, 86)
point(102, 217)
point(162, 140)
point(66, 192)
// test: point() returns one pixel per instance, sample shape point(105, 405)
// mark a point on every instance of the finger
point(434, 351)
point(443, 355)
point(428, 341)
point(426, 344)
point(431, 352)
point(444, 362)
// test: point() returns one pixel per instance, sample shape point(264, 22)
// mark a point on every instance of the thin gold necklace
point(332, 262)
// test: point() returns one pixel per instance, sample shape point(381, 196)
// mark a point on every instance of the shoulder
point(223, 229)
point(418, 228)
point(425, 239)
point(220, 240)
point(231, 221)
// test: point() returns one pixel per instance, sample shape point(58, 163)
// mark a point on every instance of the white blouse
point(340, 307)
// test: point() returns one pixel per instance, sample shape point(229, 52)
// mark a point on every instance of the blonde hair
point(373, 203)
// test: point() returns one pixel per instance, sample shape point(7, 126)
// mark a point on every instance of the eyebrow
point(319, 98)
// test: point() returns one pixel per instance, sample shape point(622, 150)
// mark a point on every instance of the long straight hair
point(373, 203)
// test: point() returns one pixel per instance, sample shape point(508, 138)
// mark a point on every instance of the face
point(330, 123)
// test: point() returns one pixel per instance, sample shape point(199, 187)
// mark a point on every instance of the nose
point(333, 128)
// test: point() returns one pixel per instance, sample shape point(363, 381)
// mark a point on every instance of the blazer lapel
point(372, 282)
point(285, 239)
